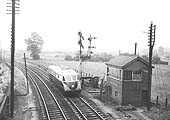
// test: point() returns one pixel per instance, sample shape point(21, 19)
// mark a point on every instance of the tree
point(145, 57)
point(35, 44)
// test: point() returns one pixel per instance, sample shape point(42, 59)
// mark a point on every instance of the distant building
point(127, 80)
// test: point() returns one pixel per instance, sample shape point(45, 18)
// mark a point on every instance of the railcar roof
point(63, 70)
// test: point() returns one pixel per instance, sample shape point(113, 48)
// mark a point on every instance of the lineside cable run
point(162, 79)
point(157, 82)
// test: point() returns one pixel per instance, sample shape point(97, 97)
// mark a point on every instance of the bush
point(68, 57)
point(155, 60)
point(36, 57)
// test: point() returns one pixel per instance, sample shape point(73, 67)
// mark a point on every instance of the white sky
point(117, 24)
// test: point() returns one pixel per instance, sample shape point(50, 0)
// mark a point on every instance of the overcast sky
point(117, 24)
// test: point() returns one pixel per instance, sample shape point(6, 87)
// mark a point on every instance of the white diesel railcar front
point(66, 78)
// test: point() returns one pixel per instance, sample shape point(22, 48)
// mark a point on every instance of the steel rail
point(75, 106)
point(53, 97)
point(92, 108)
point(40, 94)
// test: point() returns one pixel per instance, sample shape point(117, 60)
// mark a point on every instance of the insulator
point(17, 3)
point(9, 10)
point(9, 3)
point(89, 39)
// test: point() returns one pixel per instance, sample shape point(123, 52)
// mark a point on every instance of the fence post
point(166, 103)
point(157, 100)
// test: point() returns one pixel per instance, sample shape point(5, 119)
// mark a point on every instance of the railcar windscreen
point(68, 78)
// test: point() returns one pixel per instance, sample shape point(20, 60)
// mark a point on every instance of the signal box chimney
point(135, 47)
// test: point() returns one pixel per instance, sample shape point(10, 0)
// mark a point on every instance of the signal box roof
point(123, 61)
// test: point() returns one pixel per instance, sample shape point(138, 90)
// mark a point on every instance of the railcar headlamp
point(72, 86)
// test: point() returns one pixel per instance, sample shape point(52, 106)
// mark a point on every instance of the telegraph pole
point(12, 60)
point(14, 7)
point(151, 36)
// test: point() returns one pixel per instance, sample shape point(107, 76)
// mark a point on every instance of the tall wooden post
point(15, 7)
point(12, 60)
point(26, 74)
point(152, 29)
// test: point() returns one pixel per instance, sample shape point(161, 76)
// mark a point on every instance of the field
point(94, 68)
point(160, 76)
point(161, 82)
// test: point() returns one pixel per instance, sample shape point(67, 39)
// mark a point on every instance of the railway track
point(50, 108)
point(85, 109)
point(82, 108)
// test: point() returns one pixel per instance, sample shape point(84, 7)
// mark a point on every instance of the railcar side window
point(64, 79)
point(74, 77)
point(116, 93)
point(68, 78)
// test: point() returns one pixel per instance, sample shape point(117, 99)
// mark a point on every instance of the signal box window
point(137, 75)
point(127, 75)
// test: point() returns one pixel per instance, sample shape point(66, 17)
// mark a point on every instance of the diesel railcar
point(66, 78)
